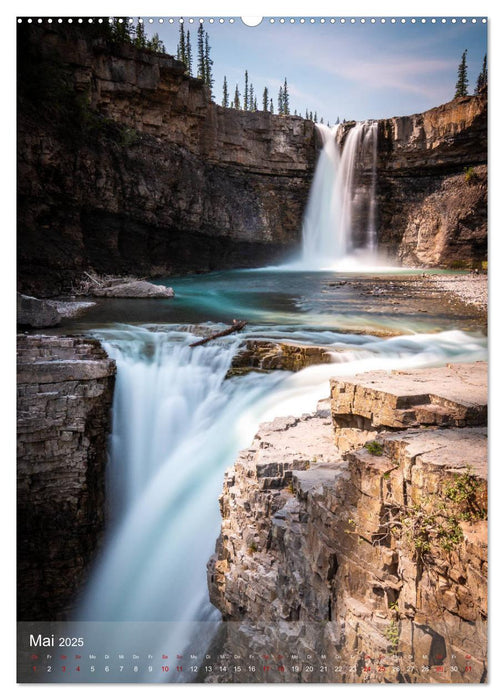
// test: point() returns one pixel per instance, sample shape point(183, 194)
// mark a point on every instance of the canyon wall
point(431, 185)
point(127, 166)
point(353, 545)
point(64, 397)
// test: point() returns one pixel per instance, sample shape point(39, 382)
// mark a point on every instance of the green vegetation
point(392, 634)
point(465, 493)
point(482, 82)
point(470, 174)
point(225, 95)
point(462, 81)
point(253, 548)
point(374, 448)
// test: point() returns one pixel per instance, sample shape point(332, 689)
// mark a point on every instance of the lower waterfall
point(178, 423)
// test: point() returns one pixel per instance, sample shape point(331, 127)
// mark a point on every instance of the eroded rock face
point(151, 177)
point(374, 565)
point(432, 185)
point(64, 390)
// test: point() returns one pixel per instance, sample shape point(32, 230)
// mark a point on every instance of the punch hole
point(252, 21)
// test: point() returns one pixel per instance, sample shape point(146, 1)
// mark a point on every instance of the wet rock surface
point(64, 398)
point(268, 355)
point(136, 290)
point(377, 561)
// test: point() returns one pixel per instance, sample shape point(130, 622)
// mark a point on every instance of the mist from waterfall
point(340, 219)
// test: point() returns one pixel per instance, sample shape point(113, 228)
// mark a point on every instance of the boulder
point(36, 313)
point(139, 289)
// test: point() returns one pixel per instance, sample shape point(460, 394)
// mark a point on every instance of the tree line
point(122, 31)
point(462, 84)
point(204, 62)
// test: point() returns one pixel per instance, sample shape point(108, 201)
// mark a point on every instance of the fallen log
point(237, 326)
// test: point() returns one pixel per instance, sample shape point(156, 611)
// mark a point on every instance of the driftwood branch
point(237, 326)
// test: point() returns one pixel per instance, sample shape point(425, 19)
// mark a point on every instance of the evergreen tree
point(337, 121)
point(321, 120)
point(188, 53)
point(201, 72)
point(225, 96)
point(246, 93)
point(311, 116)
point(462, 81)
point(181, 47)
point(281, 101)
point(265, 99)
point(236, 101)
point(286, 107)
point(295, 113)
point(272, 108)
point(155, 44)
point(140, 36)
point(120, 30)
point(315, 117)
point(255, 104)
point(251, 97)
point(307, 116)
point(482, 81)
point(208, 65)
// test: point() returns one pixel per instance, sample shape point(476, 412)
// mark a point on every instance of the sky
point(351, 70)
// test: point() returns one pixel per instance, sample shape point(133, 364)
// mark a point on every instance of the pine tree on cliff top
point(140, 36)
point(462, 81)
point(236, 101)
point(225, 95)
point(188, 53)
point(246, 93)
point(181, 48)
point(280, 102)
point(121, 30)
point(272, 108)
point(286, 107)
point(265, 99)
point(155, 44)
point(251, 98)
point(208, 64)
point(201, 53)
point(482, 81)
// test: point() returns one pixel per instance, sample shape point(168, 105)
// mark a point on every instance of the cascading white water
point(372, 136)
point(328, 226)
point(177, 425)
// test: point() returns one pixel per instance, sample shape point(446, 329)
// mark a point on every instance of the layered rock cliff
point(368, 564)
point(64, 399)
point(431, 185)
point(126, 165)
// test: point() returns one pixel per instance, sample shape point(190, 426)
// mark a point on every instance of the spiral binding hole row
point(272, 20)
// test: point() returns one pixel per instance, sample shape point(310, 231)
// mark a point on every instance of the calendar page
point(252, 349)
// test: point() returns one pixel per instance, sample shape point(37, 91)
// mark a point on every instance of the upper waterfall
point(340, 218)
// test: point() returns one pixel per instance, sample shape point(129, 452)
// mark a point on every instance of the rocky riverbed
point(471, 289)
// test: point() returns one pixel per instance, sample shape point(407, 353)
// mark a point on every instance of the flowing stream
point(178, 423)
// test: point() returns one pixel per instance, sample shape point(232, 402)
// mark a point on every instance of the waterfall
point(340, 218)
point(177, 424)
